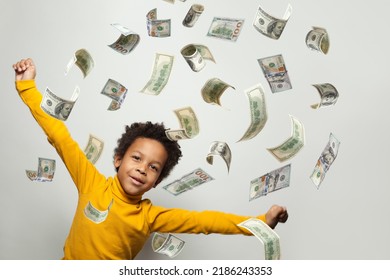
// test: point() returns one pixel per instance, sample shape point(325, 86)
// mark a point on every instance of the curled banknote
point(318, 40)
point(116, 91)
point(213, 90)
point(157, 27)
point(221, 149)
point(225, 28)
point(94, 214)
point(56, 106)
point(94, 148)
point(126, 42)
point(84, 61)
point(258, 112)
point(270, 182)
point(326, 159)
point(188, 182)
point(328, 94)
point(271, 26)
point(169, 245)
point(195, 56)
point(161, 71)
point(266, 235)
point(192, 15)
point(45, 172)
point(275, 72)
point(188, 122)
point(293, 144)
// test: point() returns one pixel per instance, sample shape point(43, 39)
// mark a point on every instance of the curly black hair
point(155, 131)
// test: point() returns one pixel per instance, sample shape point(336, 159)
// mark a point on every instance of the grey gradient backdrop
point(347, 218)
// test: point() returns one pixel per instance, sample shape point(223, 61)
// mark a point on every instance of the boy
point(112, 221)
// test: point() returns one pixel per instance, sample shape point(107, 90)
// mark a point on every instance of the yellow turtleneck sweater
point(108, 223)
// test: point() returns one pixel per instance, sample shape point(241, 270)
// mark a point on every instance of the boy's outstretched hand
point(276, 214)
point(24, 70)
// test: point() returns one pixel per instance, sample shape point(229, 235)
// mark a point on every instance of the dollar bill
point(157, 27)
point(169, 245)
point(213, 89)
point(326, 159)
point(195, 56)
point(126, 42)
point(56, 106)
point(188, 182)
point(318, 40)
point(270, 182)
point(95, 215)
point(221, 149)
point(188, 122)
point(266, 235)
point(161, 71)
point(192, 15)
point(94, 148)
point(275, 72)
point(225, 28)
point(258, 112)
point(271, 26)
point(328, 94)
point(84, 61)
point(116, 91)
point(293, 144)
point(45, 171)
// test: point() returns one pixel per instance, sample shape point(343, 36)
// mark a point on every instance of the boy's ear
point(117, 161)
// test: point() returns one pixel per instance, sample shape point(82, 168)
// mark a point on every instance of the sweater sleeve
point(206, 222)
point(80, 169)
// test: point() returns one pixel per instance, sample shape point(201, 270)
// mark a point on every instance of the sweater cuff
point(24, 85)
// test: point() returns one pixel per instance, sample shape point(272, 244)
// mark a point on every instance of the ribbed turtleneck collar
point(121, 194)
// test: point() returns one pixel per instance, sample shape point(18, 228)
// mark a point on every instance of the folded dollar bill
point(213, 90)
point(169, 245)
point(84, 61)
point(126, 42)
point(266, 235)
point(328, 94)
point(318, 40)
point(326, 159)
point(45, 172)
point(225, 28)
point(271, 26)
point(192, 15)
point(58, 107)
point(94, 148)
point(157, 27)
point(188, 182)
point(275, 72)
point(221, 149)
point(195, 56)
point(116, 91)
point(270, 182)
point(188, 122)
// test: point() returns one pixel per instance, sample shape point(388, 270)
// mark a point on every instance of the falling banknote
point(293, 144)
point(221, 149)
point(270, 26)
point(258, 112)
point(188, 122)
point(192, 15)
point(45, 172)
point(83, 59)
point(195, 56)
point(169, 245)
point(94, 149)
point(213, 90)
point(188, 182)
point(157, 27)
point(328, 94)
point(225, 28)
point(126, 42)
point(266, 235)
point(270, 182)
point(326, 159)
point(161, 71)
point(318, 40)
point(116, 91)
point(275, 72)
point(56, 106)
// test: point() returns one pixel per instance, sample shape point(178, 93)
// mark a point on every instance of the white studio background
point(346, 218)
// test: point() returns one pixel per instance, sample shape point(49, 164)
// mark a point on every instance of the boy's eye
point(136, 157)
point(154, 167)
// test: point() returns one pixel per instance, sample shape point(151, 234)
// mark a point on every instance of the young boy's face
point(141, 166)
